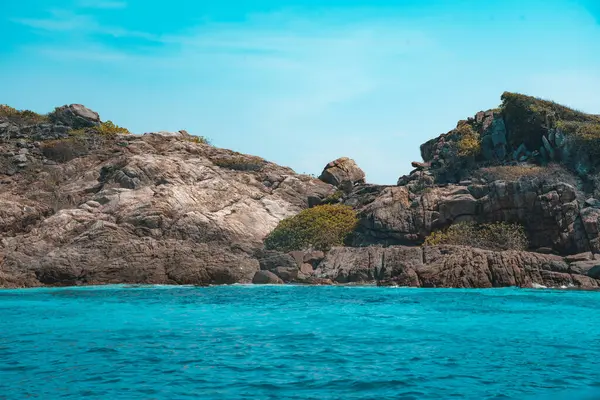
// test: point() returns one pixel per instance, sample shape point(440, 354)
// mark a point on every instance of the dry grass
point(240, 163)
point(496, 236)
point(548, 173)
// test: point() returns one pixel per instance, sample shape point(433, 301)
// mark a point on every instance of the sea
point(298, 342)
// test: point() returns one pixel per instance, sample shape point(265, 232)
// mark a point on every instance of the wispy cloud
point(60, 21)
point(103, 4)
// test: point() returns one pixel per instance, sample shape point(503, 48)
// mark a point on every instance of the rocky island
point(510, 197)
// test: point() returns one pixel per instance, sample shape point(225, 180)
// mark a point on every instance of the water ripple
point(298, 343)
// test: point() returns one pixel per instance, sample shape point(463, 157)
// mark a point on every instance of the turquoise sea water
point(267, 342)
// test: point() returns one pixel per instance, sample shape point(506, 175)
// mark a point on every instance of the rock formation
point(457, 266)
point(139, 209)
point(343, 173)
point(81, 203)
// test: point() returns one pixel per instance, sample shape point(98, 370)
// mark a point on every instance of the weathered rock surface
point(550, 213)
point(144, 209)
point(452, 266)
point(342, 173)
point(164, 208)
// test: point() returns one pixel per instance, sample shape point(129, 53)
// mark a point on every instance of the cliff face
point(157, 208)
point(81, 202)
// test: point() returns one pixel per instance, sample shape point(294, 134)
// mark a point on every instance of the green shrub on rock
point(494, 236)
point(319, 228)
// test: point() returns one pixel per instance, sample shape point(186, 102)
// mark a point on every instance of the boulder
point(266, 278)
point(342, 172)
point(286, 274)
point(313, 257)
point(75, 116)
point(306, 269)
point(270, 260)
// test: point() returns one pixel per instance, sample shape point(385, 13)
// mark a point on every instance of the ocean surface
point(291, 342)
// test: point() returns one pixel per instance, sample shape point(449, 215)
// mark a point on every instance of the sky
point(303, 82)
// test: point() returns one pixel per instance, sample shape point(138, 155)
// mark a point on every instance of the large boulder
point(342, 173)
point(76, 116)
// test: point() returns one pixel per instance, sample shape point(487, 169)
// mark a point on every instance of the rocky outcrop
point(549, 212)
point(143, 209)
point(455, 266)
point(93, 206)
point(75, 116)
point(523, 130)
point(343, 173)
point(34, 127)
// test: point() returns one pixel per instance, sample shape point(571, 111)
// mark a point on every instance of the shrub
point(469, 143)
point(109, 128)
point(199, 140)
point(63, 150)
point(495, 236)
point(21, 116)
point(333, 198)
point(320, 228)
point(240, 163)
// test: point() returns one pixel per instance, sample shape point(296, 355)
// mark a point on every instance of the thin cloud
point(102, 4)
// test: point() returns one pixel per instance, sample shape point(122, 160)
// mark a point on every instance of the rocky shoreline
point(84, 203)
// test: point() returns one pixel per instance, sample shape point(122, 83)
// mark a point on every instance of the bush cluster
point(494, 236)
point(320, 228)
point(107, 128)
point(469, 143)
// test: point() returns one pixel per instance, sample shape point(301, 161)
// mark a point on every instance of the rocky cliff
point(155, 208)
point(84, 202)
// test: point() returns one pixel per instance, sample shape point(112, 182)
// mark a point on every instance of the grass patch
point(495, 236)
point(549, 173)
point(320, 228)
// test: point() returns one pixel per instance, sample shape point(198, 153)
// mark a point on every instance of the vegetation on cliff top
point(21, 116)
point(319, 228)
point(107, 128)
point(495, 236)
point(529, 118)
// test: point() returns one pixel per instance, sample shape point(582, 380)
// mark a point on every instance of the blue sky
point(301, 82)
